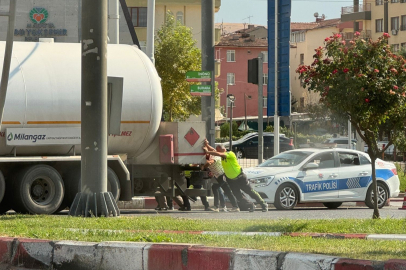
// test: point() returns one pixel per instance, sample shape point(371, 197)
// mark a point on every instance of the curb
point(150, 203)
point(44, 254)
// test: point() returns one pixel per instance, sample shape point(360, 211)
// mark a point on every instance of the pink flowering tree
point(364, 82)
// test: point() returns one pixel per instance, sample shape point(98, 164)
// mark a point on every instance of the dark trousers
point(241, 183)
point(219, 196)
point(202, 198)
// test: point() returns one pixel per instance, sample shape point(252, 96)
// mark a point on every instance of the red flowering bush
point(363, 81)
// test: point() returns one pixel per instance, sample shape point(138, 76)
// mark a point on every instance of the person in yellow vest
point(236, 178)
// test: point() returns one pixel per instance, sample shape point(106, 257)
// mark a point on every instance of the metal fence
point(355, 9)
point(246, 162)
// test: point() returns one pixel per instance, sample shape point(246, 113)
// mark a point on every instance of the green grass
point(146, 229)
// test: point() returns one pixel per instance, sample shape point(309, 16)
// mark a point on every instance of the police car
point(330, 176)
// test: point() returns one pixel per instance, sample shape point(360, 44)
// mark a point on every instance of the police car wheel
point(382, 196)
point(286, 197)
point(332, 205)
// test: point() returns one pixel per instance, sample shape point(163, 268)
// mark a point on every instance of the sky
point(255, 11)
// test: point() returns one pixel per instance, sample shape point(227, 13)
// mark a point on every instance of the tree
point(365, 83)
point(175, 54)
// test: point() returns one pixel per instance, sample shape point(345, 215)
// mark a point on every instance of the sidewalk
point(22, 253)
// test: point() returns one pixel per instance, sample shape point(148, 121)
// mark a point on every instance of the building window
point(297, 36)
point(138, 16)
point(379, 2)
point(230, 78)
point(379, 25)
point(230, 56)
point(403, 46)
point(265, 78)
point(265, 53)
point(302, 58)
point(394, 1)
point(394, 23)
point(179, 16)
point(403, 23)
point(394, 47)
point(265, 102)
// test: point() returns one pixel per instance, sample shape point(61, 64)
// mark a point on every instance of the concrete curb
point(150, 203)
point(44, 254)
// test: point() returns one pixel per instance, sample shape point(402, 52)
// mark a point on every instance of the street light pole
point(245, 109)
point(231, 98)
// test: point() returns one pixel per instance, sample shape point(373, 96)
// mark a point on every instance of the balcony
point(356, 13)
point(347, 36)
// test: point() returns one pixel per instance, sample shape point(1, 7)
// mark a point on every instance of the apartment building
point(379, 16)
point(187, 12)
point(233, 52)
point(61, 19)
point(305, 38)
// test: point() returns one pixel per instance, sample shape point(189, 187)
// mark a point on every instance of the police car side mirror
point(310, 166)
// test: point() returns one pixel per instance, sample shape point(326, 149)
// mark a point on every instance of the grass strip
point(144, 229)
point(20, 223)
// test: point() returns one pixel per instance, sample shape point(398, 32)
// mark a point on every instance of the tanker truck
point(40, 131)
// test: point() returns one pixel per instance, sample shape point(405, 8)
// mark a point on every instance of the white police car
point(330, 176)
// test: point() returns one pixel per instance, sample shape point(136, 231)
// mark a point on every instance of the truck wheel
point(113, 184)
point(71, 182)
point(382, 196)
point(286, 197)
point(72, 186)
point(5, 200)
point(38, 189)
point(2, 186)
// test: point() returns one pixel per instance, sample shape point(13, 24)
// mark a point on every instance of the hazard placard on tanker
point(42, 136)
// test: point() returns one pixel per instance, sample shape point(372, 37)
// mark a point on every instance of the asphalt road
point(299, 213)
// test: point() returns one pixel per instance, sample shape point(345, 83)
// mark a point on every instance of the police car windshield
point(286, 159)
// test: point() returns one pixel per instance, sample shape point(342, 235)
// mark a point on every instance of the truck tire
point(38, 189)
point(5, 200)
point(2, 186)
point(71, 182)
point(72, 186)
point(113, 184)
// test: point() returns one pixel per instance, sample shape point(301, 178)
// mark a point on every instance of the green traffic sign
point(200, 90)
point(198, 76)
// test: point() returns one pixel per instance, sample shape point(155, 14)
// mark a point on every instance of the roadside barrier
point(60, 255)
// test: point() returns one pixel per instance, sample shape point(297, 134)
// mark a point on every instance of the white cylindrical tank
point(45, 91)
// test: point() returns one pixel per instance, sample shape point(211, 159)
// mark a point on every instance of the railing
point(355, 9)
point(350, 35)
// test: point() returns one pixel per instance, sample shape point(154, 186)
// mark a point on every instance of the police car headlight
point(262, 181)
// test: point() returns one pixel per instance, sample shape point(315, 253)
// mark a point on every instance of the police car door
point(355, 172)
point(321, 183)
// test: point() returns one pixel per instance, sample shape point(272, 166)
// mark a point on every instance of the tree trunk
point(376, 214)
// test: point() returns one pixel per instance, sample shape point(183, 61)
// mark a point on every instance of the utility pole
point(385, 16)
point(276, 117)
point(113, 21)
point(208, 104)
point(93, 199)
point(7, 55)
point(151, 30)
point(260, 108)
